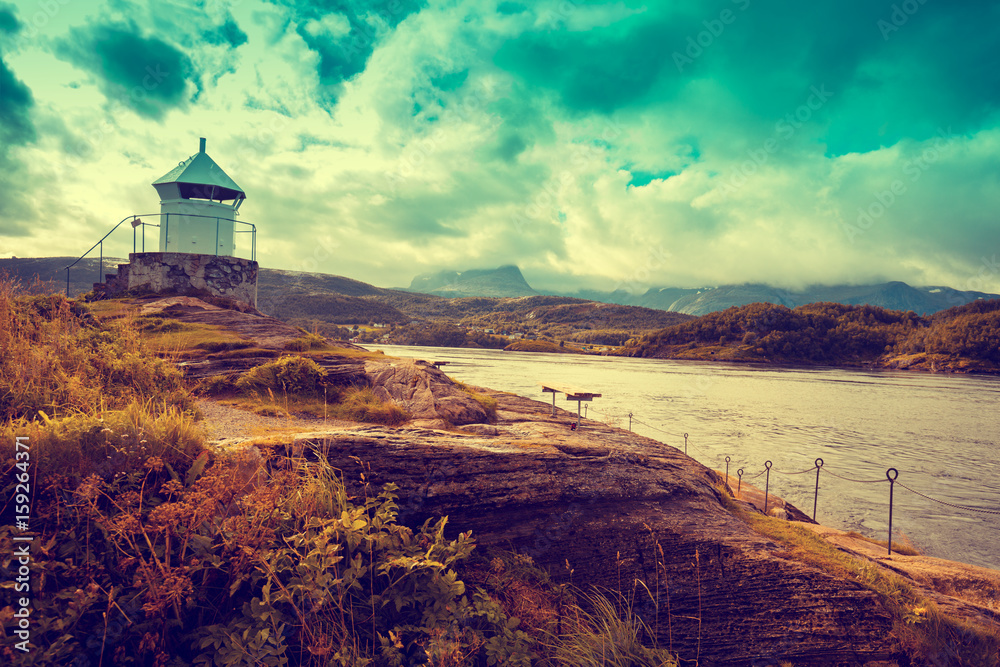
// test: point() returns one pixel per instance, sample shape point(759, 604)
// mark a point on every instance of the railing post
point(67, 282)
point(166, 235)
point(819, 464)
point(739, 482)
point(629, 419)
point(767, 483)
point(892, 483)
point(216, 236)
point(727, 470)
point(685, 444)
point(100, 267)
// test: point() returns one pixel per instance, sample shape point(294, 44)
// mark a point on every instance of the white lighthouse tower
point(196, 257)
point(198, 206)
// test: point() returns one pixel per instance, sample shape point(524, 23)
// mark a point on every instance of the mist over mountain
point(504, 281)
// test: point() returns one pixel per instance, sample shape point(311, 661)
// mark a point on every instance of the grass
point(921, 628)
point(308, 342)
point(297, 385)
point(190, 336)
point(902, 548)
point(488, 402)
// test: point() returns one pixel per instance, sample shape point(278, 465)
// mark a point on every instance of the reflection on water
point(939, 431)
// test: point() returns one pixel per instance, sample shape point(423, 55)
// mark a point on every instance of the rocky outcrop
point(430, 396)
point(604, 507)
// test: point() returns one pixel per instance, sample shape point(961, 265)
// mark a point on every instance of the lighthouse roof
point(201, 170)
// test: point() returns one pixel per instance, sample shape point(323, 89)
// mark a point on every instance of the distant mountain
point(505, 281)
point(891, 296)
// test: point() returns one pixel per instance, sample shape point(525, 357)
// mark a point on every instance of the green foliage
point(292, 374)
point(488, 402)
point(158, 325)
point(363, 405)
point(213, 565)
point(108, 442)
point(607, 633)
point(59, 360)
point(307, 342)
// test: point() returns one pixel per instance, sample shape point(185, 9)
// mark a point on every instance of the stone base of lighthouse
point(180, 273)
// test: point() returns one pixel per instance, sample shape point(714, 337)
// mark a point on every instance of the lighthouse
point(198, 206)
point(197, 224)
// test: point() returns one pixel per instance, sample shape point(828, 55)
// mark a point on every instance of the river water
point(939, 431)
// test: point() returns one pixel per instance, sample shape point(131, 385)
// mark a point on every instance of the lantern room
point(198, 206)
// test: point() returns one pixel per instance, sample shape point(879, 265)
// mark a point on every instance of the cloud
point(228, 33)
point(145, 74)
point(17, 129)
point(344, 34)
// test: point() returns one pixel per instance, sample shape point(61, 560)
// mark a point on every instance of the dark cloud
point(345, 55)
point(8, 20)
point(603, 69)
point(145, 74)
point(17, 128)
point(508, 8)
point(930, 68)
point(227, 33)
point(16, 101)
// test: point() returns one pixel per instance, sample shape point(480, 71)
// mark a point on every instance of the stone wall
point(193, 275)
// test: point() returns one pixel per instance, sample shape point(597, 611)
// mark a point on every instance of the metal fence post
point(767, 483)
point(739, 482)
point(630, 421)
point(819, 464)
point(727, 470)
point(685, 444)
point(892, 482)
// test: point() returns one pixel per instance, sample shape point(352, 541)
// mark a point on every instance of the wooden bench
point(572, 394)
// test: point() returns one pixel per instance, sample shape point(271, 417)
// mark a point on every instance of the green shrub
point(309, 341)
point(108, 442)
point(215, 566)
point(488, 402)
point(290, 375)
point(57, 359)
point(365, 406)
point(607, 633)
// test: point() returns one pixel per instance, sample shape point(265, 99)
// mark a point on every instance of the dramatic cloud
point(601, 144)
point(145, 74)
point(16, 129)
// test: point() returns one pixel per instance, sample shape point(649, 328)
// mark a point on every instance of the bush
point(289, 375)
point(216, 566)
point(58, 360)
point(309, 341)
point(364, 405)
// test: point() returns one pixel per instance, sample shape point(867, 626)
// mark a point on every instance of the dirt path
point(228, 425)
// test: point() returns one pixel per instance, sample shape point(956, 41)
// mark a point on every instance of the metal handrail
point(252, 231)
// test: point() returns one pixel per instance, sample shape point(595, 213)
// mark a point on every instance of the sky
point(599, 145)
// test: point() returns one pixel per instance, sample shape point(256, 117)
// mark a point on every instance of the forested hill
point(964, 339)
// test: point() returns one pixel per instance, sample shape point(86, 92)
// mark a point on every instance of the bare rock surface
point(424, 391)
point(604, 507)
